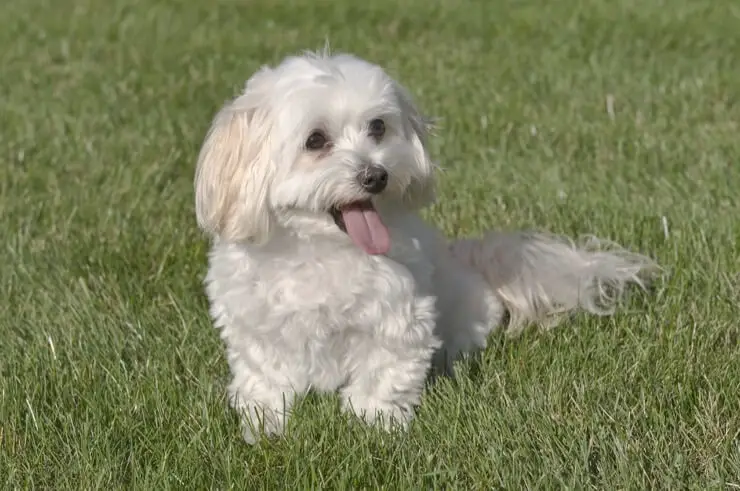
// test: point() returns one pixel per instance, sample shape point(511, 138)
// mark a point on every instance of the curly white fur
point(301, 306)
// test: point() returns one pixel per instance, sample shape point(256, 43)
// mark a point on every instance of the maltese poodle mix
point(322, 273)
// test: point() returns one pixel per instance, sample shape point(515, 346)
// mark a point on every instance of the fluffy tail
point(540, 277)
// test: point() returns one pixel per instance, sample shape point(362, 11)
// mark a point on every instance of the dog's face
point(332, 136)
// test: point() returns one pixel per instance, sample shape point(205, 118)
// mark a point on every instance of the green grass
point(110, 373)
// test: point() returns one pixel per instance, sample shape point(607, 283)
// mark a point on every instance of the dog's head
point(332, 136)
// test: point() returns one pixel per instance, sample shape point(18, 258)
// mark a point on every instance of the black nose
point(373, 179)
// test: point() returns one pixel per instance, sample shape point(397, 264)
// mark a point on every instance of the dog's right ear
point(233, 171)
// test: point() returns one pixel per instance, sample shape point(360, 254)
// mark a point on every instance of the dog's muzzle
point(373, 178)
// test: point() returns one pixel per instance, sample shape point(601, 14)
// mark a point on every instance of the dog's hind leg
point(539, 276)
point(469, 310)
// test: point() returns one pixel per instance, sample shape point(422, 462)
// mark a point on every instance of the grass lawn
point(615, 118)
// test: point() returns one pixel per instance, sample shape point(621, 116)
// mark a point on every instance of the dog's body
point(323, 274)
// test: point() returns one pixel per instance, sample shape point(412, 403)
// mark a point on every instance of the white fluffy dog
point(322, 273)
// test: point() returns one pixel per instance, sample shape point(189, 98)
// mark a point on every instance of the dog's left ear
point(421, 191)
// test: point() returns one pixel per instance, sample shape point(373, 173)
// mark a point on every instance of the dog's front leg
point(390, 367)
point(262, 402)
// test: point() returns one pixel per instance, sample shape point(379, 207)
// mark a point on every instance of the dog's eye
point(376, 128)
point(316, 140)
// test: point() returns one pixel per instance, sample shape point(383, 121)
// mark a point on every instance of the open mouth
point(338, 219)
point(361, 221)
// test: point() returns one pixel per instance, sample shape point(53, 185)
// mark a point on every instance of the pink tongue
point(365, 228)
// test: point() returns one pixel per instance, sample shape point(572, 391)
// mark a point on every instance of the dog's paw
point(257, 423)
point(388, 416)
